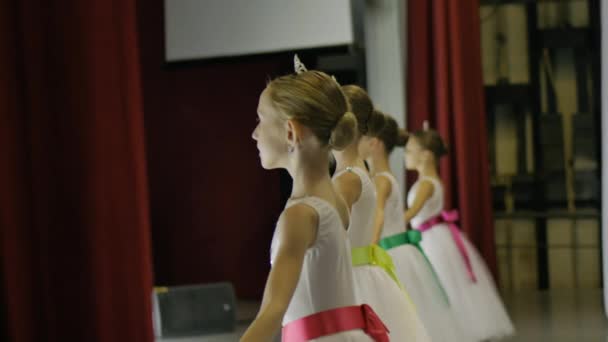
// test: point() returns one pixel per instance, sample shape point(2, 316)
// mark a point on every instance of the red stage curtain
point(74, 238)
point(213, 207)
point(445, 86)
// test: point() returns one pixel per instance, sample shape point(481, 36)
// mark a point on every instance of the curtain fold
point(445, 87)
point(74, 231)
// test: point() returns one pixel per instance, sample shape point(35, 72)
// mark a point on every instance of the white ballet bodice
point(360, 230)
point(432, 207)
point(393, 208)
point(326, 280)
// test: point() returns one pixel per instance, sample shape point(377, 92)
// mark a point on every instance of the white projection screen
point(200, 29)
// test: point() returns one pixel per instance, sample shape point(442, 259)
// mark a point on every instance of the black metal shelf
point(508, 93)
point(565, 37)
point(530, 214)
point(532, 191)
point(510, 2)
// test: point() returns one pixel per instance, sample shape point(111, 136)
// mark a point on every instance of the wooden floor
point(556, 316)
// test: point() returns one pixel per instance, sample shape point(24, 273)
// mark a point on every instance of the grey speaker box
point(194, 310)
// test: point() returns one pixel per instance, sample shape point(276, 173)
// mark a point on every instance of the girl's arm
point(383, 191)
point(425, 191)
point(297, 232)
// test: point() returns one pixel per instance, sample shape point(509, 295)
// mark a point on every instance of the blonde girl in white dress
point(462, 271)
point(375, 280)
point(412, 267)
point(310, 286)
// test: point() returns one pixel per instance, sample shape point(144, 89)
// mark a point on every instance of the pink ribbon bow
point(374, 327)
point(450, 218)
point(334, 321)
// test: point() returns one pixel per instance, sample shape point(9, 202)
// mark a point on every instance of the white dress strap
point(360, 230)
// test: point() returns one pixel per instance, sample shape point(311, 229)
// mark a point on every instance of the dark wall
point(3, 309)
point(213, 208)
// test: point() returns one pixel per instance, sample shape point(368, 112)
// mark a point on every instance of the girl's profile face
point(270, 134)
point(413, 153)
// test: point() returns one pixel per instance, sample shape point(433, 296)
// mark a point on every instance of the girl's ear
point(295, 132)
point(374, 142)
point(377, 145)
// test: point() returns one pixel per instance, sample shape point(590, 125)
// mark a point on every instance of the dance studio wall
point(213, 207)
point(385, 45)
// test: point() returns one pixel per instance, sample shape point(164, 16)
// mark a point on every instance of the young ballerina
point(375, 280)
point(310, 285)
point(412, 267)
point(462, 271)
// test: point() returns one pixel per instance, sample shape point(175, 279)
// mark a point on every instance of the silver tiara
point(298, 66)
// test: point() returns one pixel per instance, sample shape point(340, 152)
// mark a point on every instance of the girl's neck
point(379, 164)
point(428, 170)
point(310, 177)
point(349, 157)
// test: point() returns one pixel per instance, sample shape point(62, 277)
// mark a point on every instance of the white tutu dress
point(326, 280)
point(416, 273)
point(477, 304)
point(373, 284)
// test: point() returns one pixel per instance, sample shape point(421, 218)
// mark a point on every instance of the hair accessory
point(298, 66)
point(425, 125)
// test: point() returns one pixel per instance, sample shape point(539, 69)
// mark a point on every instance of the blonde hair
point(361, 105)
point(315, 100)
point(430, 140)
point(385, 128)
point(376, 123)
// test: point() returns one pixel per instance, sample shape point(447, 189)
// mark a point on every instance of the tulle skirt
point(477, 306)
point(373, 286)
point(418, 279)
